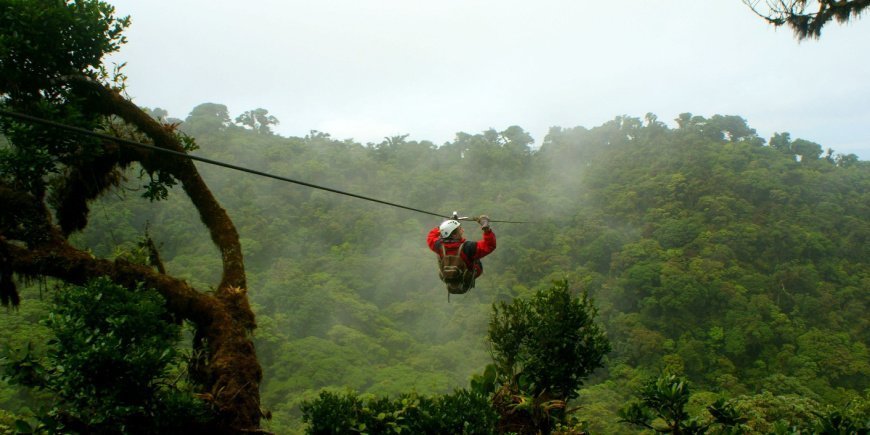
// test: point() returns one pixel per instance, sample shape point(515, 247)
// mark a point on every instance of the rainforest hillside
point(737, 261)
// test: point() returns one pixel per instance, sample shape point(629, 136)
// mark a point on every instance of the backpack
point(454, 272)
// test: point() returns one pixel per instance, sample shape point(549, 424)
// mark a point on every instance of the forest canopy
point(711, 253)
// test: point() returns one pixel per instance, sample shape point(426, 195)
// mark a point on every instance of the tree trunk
point(224, 320)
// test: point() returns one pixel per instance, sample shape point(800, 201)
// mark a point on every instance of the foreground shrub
point(461, 412)
point(112, 366)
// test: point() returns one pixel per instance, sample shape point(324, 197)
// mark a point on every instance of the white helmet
point(447, 227)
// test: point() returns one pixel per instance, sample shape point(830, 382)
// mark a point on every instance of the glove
point(483, 220)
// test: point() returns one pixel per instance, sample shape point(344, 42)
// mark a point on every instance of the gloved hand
point(483, 220)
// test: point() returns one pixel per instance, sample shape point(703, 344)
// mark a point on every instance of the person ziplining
point(459, 263)
point(458, 260)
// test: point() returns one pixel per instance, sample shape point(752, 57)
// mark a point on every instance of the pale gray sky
point(365, 69)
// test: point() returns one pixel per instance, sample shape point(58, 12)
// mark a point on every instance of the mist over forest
point(711, 253)
point(650, 277)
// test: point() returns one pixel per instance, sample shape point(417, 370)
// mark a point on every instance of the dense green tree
point(207, 118)
point(544, 348)
point(462, 411)
point(550, 341)
point(108, 365)
point(781, 141)
point(808, 151)
point(662, 406)
point(50, 63)
point(257, 120)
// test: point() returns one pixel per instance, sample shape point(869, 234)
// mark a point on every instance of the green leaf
point(22, 426)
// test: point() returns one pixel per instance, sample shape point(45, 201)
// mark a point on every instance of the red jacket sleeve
point(433, 237)
point(485, 245)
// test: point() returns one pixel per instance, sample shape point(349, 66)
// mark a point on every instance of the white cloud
point(430, 69)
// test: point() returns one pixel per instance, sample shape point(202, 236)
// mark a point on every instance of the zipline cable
point(37, 120)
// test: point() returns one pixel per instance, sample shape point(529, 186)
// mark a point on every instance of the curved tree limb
point(233, 375)
point(214, 217)
point(31, 245)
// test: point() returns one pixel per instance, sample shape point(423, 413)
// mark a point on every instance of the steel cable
point(37, 120)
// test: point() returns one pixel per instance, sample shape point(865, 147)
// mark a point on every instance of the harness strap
point(444, 250)
point(468, 271)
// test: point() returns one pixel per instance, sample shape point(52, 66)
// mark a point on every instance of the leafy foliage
point(549, 342)
point(662, 407)
point(739, 266)
point(257, 120)
point(49, 41)
point(43, 41)
point(544, 348)
point(664, 398)
point(526, 398)
point(110, 364)
point(51, 55)
point(462, 411)
point(711, 256)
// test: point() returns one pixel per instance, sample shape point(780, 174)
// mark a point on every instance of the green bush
point(109, 364)
point(462, 412)
point(549, 343)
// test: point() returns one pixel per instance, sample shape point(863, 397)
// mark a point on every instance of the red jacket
point(472, 253)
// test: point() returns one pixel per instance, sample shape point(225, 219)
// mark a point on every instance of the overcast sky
point(365, 69)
